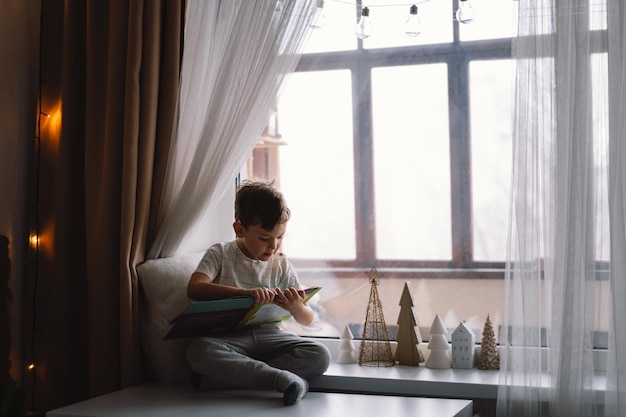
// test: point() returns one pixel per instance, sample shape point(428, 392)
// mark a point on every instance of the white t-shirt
point(226, 264)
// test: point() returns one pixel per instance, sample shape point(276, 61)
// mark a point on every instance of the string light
point(465, 14)
point(319, 18)
point(34, 240)
point(34, 237)
point(364, 28)
point(52, 120)
point(412, 27)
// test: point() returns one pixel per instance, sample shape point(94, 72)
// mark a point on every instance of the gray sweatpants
point(258, 358)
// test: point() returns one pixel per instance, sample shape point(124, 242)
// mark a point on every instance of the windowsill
point(409, 380)
point(405, 380)
point(475, 384)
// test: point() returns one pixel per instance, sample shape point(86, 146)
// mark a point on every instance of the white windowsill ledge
point(409, 380)
point(405, 380)
point(425, 382)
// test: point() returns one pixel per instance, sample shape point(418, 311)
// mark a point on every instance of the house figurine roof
point(463, 329)
point(463, 345)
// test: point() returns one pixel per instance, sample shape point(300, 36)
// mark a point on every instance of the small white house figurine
point(463, 344)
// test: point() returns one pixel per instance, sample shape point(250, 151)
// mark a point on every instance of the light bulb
point(465, 14)
point(34, 240)
point(413, 25)
point(364, 27)
point(319, 18)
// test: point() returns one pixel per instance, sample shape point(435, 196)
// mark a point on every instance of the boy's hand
point(262, 295)
point(292, 299)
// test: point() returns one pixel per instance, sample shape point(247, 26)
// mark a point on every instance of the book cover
point(204, 318)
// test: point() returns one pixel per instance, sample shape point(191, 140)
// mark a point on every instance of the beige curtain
point(110, 71)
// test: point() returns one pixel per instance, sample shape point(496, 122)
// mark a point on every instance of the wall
point(19, 42)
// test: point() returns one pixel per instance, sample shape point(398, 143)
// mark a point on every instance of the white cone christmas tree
point(438, 345)
point(347, 350)
point(408, 350)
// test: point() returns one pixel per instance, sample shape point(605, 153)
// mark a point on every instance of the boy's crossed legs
point(258, 359)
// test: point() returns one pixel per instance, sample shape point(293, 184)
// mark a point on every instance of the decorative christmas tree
point(346, 347)
point(488, 358)
point(375, 347)
point(408, 351)
point(438, 345)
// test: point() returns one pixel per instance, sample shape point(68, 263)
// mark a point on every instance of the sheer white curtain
point(236, 54)
point(616, 368)
point(563, 335)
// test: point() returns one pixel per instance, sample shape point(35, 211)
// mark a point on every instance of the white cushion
point(163, 296)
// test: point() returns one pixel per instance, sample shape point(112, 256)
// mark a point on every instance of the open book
point(203, 318)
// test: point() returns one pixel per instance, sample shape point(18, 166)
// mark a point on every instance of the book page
point(267, 313)
point(271, 313)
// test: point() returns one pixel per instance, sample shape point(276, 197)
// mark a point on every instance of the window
point(396, 154)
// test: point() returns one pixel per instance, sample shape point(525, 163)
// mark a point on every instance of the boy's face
point(257, 243)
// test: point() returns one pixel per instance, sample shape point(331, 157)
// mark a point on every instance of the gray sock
point(295, 391)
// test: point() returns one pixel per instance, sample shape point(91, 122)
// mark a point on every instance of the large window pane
point(412, 162)
point(490, 103)
point(316, 165)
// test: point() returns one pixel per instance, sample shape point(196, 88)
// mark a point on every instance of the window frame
point(457, 56)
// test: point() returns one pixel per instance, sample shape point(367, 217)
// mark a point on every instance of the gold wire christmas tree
point(375, 347)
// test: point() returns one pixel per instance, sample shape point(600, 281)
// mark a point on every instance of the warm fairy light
point(34, 240)
point(38, 240)
point(51, 123)
point(30, 366)
point(55, 115)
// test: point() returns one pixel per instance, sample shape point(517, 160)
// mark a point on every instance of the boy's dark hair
point(259, 203)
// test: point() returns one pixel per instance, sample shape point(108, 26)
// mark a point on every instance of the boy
point(263, 357)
